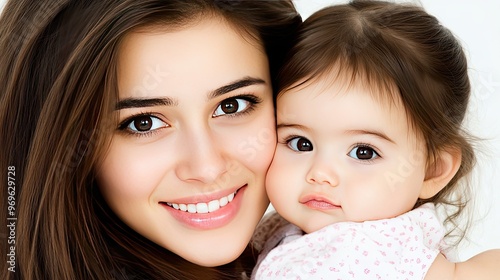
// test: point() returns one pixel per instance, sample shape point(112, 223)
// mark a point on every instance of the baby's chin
point(312, 225)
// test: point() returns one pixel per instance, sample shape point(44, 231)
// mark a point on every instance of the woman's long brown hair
point(58, 88)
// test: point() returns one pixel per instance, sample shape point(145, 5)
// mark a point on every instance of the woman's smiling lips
point(202, 207)
point(207, 211)
point(318, 202)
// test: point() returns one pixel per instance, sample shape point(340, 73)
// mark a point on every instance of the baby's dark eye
point(363, 153)
point(231, 106)
point(300, 144)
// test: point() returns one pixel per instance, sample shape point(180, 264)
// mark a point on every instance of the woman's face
point(187, 162)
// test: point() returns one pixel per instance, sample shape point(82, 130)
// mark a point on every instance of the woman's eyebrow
point(244, 82)
point(166, 101)
point(144, 102)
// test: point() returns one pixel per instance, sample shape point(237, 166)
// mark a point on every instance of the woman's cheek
point(256, 147)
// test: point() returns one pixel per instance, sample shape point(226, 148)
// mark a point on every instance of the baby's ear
point(440, 172)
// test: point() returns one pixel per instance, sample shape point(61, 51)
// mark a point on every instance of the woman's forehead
point(199, 57)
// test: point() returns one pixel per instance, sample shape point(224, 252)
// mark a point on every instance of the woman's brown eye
point(229, 106)
point(143, 123)
point(232, 106)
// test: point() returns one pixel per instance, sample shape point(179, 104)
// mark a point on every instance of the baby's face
point(343, 154)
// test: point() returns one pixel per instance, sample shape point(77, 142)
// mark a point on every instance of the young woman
point(136, 135)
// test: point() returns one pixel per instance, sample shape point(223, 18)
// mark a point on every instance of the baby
point(370, 138)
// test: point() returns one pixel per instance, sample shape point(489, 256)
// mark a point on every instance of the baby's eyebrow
point(375, 133)
point(291, 125)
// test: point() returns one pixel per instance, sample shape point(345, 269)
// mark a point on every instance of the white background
point(477, 25)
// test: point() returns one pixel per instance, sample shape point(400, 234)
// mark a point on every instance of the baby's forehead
point(384, 92)
point(381, 89)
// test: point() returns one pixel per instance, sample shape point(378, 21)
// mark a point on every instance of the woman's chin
point(211, 257)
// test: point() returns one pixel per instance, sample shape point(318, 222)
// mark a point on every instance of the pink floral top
point(403, 247)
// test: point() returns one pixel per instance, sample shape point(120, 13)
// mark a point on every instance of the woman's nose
point(201, 158)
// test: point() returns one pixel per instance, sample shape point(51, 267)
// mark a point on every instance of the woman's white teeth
point(191, 208)
point(183, 207)
point(203, 207)
point(213, 205)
